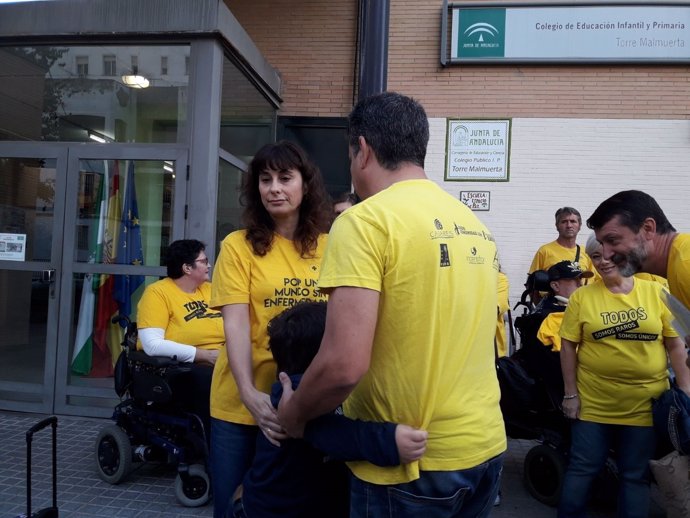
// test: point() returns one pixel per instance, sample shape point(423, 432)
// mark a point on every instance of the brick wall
point(627, 92)
point(312, 44)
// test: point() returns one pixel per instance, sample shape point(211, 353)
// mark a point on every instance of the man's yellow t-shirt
point(551, 253)
point(621, 358)
point(432, 362)
point(503, 306)
point(678, 270)
point(269, 285)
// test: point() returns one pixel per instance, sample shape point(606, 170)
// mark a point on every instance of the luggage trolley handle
point(49, 421)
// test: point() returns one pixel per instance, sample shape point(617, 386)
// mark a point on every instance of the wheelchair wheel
point(196, 490)
point(113, 454)
point(544, 469)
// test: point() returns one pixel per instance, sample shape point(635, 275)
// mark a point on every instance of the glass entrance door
point(91, 223)
point(32, 187)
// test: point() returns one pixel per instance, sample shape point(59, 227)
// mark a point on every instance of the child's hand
point(411, 443)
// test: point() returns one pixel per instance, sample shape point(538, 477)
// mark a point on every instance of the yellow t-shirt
point(651, 277)
point(678, 271)
point(621, 359)
point(269, 285)
point(640, 275)
point(432, 364)
point(552, 253)
point(503, 306)
point(549, 330)
point(185, 317)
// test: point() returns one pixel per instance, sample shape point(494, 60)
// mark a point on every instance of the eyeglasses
point(202, 261)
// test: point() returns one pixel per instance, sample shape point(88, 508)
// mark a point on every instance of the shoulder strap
point(577, 254)
point(511, 330)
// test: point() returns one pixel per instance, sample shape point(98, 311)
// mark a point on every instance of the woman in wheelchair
point(174, 320)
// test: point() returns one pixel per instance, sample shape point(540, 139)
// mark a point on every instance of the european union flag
point(129, 250)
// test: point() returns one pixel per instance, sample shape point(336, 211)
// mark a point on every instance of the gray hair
point(592, 245)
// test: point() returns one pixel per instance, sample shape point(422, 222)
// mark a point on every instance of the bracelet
point(570, 396)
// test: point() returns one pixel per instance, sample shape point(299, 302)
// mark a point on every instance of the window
point(109, 66)
point(135, 64)
point(53, 93)
point(247, 118)
point(82, 65)
point(164, 65)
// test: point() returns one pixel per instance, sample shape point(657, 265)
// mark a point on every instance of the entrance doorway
point(81, 232)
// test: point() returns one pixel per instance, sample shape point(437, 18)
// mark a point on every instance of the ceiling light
point(97, 137)
point(168, 168)
point(135, 81)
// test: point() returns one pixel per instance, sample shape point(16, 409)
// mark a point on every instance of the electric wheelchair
point(149, 426)
point(531, 393)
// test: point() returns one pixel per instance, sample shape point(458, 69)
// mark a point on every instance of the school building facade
point(109, 109)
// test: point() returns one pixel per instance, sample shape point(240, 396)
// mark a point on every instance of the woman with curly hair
point(270, 265)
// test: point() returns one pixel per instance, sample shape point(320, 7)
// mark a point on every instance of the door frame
point(59, 154)
point(56, 390)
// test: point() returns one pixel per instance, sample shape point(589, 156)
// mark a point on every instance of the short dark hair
point(181, 252)
point(314, 212)
point(345, 197)
point(632, 208)
point(294, 336)
point(395, 127)
point(568, 211)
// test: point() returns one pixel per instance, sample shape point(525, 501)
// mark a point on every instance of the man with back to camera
point(411, 275)
point(565, 247)
point(636, 235)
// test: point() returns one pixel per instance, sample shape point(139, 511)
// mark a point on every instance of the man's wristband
point(570, 396)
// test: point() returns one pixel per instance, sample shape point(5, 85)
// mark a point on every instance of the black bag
point(121, 374)
point(671, 415)
point(46, 512)
point(518, 388)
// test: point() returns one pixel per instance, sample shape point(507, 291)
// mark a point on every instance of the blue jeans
point(633, 445)
point(232, 451)
point(466, 493)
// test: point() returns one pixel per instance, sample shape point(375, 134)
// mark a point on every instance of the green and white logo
point(481, 33)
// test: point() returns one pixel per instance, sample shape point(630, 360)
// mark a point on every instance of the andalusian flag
point(107, 336)
point(83, 344)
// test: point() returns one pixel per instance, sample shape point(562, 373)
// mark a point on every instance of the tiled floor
point(148, 491)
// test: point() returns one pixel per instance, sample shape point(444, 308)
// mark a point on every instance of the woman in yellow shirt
point(262, 270)
point(616, 340)
point(174, 320)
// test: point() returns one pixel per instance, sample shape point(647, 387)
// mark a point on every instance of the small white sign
point(12, 247)
point(476, 200)
point(477, 150)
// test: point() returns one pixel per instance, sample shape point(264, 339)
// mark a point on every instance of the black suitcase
point(48, 512)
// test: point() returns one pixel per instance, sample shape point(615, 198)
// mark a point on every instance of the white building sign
point(476, 200)
point(477, 150)
point(609, 33)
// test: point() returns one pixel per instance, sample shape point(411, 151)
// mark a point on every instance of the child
point(305, 478)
